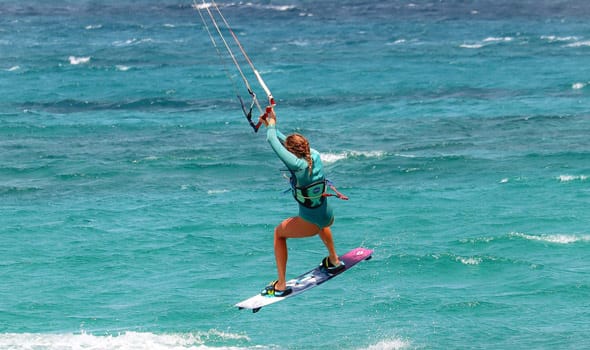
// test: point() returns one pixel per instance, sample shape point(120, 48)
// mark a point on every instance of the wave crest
point(389, 345)
point(126, 340)
point(329, 158)
point(78, 60)
point(570, 178)
point(553, 238)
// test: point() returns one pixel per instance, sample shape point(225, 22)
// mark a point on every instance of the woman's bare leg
point(294, 227)
point(326, 236)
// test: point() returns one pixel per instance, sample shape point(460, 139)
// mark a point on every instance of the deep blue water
point(137, 206)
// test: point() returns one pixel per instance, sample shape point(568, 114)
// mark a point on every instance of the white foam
point(486, 41)
point(554, 238)
point(393, 344)
point(397, 42)
point(13, 69)
point(281, 8)
point(93, 26)
point(133, 41)
point(578, 86)
point(405, 155)
point(569, 178)
point(471, 46)
point(127, 341)
point(334, 157)
point(579, 44)
point(122, 68)
point(78, 60)
point(300, 43)
point(496, 39)
point(212, 192)
point(202, 6)
point(553, 38)
point(469, 261)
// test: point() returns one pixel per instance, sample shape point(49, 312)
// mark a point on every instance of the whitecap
point(392, 344)
point(122, 68)
point(405, 155)
point(133, 41)
point(212, 192)
point(471, 46)
point(569, 178)
point(281, 8)
point(554, 238)
point(93, 26)
point(497, 39)
point(554, 38)
point(202, 6)
point(397, 42)
point(579, 44)
point(469, 261)
point(125, 340)
point(300, 43)
point(12, 69)
point(78, 60)
point(487, 41)
point(334, 157)
point(578, 86)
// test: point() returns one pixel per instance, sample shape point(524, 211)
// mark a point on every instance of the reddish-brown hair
point(299, 146)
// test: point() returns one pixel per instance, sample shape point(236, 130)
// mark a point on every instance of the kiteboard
point(306, 281)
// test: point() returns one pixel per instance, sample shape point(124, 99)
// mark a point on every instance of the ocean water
point(137, 206)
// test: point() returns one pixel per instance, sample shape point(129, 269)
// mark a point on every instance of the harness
point(313, 195)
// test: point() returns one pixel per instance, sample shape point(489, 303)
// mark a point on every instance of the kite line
point(214, 15)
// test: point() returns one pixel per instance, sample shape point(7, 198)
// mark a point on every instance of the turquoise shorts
point(321, 216)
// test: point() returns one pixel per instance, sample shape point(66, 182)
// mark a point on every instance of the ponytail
point(309, 162)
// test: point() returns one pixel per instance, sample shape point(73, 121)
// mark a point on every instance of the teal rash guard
point(320, 215)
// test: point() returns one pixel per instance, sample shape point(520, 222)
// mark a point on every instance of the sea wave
point(132, 42)
point(392, 344)
point(578, 86)
point(469, 260)
point(555, 38)
point(8, 190)
point(553, 238)
point(487, 41)
point(570, 178)
point(330, 158)
point(579, 43)
point(78, 60)
point(471, 46)
point(280, 8)
point(126, 340)
point(159, 103)
point(93, 26)
point(122, 68)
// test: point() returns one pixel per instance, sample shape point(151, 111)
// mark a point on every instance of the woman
point(315, 215)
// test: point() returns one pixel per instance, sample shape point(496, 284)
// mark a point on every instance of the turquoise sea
point(137, 206)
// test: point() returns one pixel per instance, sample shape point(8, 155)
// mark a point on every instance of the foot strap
point(270, 290)
point(331, 268)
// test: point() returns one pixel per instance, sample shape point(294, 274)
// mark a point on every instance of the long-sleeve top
point(322, 215)
point(298, 166)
